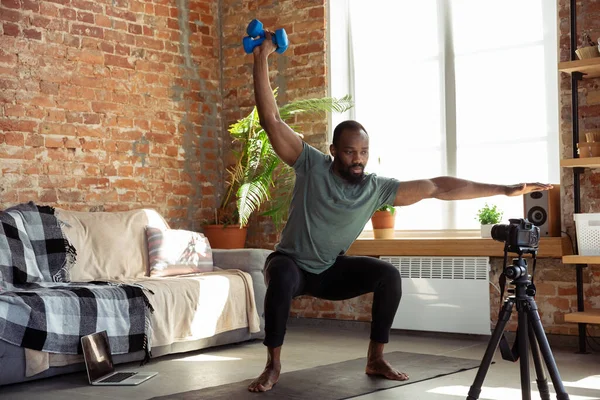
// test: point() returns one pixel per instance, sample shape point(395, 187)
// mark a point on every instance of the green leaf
point(489, 215)
point(259, 179)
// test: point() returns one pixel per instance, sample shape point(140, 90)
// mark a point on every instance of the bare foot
point(380, 367)
point(266, 380)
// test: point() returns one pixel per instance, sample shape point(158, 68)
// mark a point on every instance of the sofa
point(188, 310)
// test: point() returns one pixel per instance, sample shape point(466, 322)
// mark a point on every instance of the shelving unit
point(579, 69)
point(592, 162)
point(589, 68)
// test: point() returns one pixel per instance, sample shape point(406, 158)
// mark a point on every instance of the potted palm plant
point(488, 216)
point(383, 222)
point(258, 180)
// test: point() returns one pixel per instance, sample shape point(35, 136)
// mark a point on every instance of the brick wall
point(111, 105)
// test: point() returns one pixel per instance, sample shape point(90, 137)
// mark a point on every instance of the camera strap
point(508, 353)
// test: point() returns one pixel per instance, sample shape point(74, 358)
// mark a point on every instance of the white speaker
point(543, 210)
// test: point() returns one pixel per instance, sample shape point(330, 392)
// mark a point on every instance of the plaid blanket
point(39, 311)
point(32, 246)
point(52, 317)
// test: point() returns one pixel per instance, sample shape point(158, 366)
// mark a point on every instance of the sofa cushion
point(198, 306)
point(110, 245)
point(177, 252)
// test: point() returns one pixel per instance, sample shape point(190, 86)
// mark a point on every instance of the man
point(332, 201)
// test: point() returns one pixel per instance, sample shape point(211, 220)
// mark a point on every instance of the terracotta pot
point(226, 237)
point(383, 224)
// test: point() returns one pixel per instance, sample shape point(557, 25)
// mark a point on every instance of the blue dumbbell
point(256, 35)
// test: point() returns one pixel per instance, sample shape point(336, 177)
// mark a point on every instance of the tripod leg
point(503, 318)
point(542, 382)
point(523, 343)
point(542, 340)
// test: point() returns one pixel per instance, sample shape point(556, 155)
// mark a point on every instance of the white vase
point(486, 230)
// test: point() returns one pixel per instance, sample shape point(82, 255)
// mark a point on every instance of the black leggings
point(348, 277)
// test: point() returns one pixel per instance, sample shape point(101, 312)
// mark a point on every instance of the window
point(451, 87)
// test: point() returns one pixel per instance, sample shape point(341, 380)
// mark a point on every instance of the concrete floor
point(310, 346)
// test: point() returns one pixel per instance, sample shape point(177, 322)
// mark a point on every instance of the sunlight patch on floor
point(590, 382)
point(207, 357)
point(497, 393)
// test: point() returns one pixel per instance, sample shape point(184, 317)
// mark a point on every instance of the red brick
point(149, 43)
point(49, 87)
point(87, 144)
point(137, 6)
point(11, 16)
point(107, 47)
point(17, 125)
point(85, 17)
point(95, 183)
point(121, 3)
point(14, 139)
point(11, 3)
point(34, 140)
point(134, 28)
point(53, 142)
point(56, 116)
point(11, 29)
point(32, 5)
point(91, 119)
point(118, 61)
point(122, 50)
point(68, 13)
point(48, 196)
point(317, 12)
point(162, 11)
point(11, 110)
point(103, 20)
point(127, 15)
point(87, 5)
point(87, 31)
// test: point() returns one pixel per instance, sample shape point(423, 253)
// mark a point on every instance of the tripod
point(529, 329)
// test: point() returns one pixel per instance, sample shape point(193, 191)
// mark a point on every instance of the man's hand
point(524, 188)
point(267, 46)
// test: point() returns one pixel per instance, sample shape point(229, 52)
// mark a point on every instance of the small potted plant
point(383, 222)
point(488, 216)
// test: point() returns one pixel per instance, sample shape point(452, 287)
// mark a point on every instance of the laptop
point(99, 363)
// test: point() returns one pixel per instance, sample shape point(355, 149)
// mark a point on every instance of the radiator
point(443, 294)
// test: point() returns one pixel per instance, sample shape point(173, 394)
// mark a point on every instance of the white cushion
point(110, 245)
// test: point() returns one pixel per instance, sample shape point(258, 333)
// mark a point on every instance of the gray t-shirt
point(327, 213)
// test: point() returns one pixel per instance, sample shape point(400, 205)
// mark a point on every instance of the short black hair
point(350, 125)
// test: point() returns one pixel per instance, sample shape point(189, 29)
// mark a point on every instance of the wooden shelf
point(588, 317)
point(550, 247)
point(591, 162)
point(590, 68)
point(575, 259)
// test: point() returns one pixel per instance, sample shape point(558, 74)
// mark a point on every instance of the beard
point(352, 177)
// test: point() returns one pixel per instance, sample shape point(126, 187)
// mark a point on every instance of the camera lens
point(500, 232)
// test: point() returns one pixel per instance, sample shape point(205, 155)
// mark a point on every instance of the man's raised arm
point(286, 143)
point(449, 188)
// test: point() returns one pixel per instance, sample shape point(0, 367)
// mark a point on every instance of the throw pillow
point(177, 252)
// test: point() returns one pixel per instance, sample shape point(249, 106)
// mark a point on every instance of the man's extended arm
point(286, 143)
point(449, 188)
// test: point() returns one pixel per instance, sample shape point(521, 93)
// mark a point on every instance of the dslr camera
point(520, 235)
